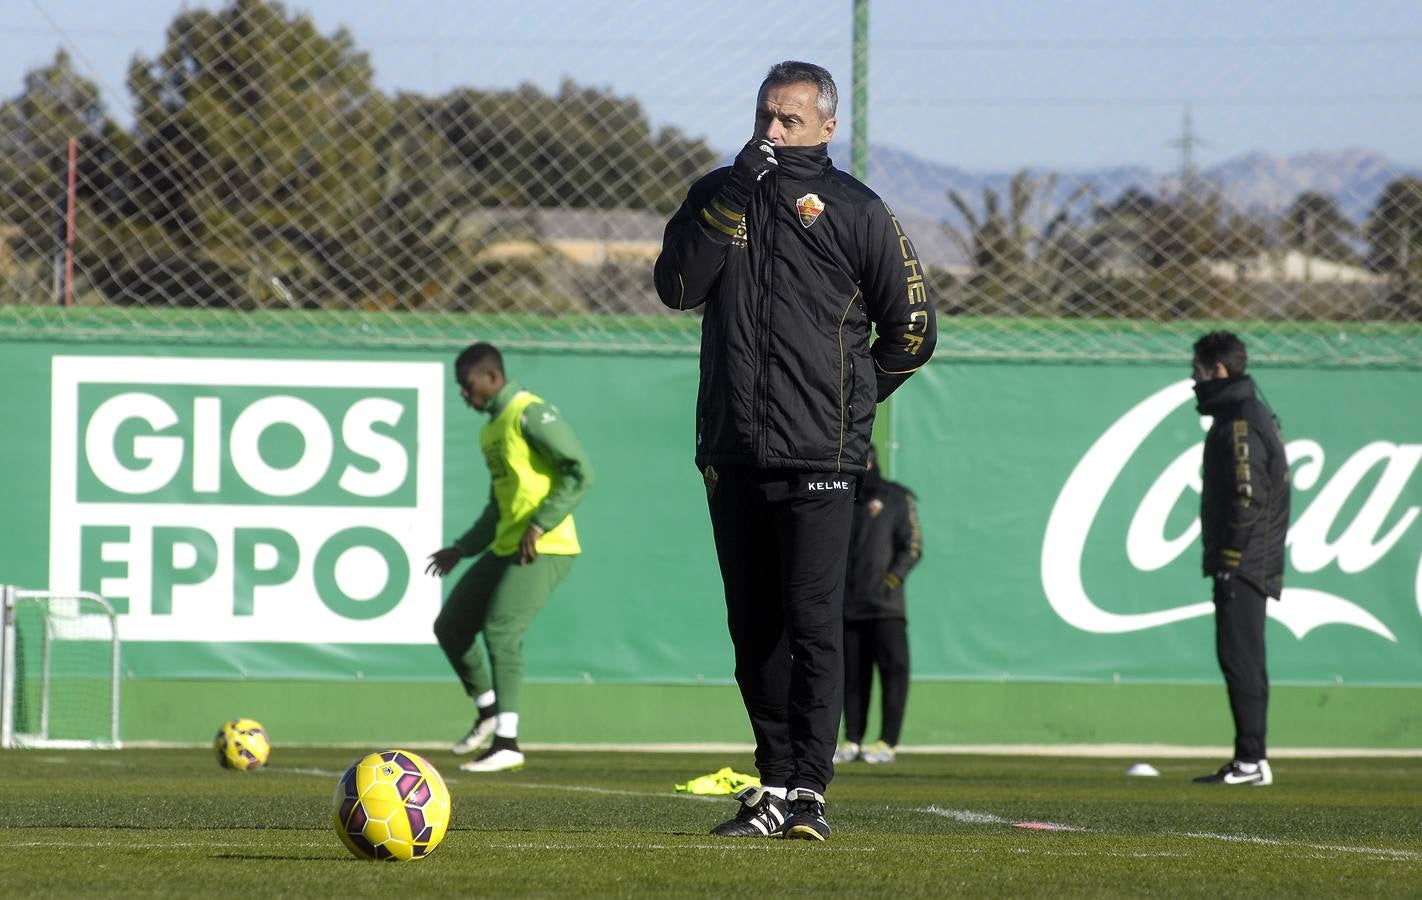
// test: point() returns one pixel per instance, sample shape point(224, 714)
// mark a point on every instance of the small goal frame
point(9, 736)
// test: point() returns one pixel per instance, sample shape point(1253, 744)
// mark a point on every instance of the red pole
point(69, 225)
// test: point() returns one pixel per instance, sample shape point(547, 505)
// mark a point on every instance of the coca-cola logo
point(1316, 540)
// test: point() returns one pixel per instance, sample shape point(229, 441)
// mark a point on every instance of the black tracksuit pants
point(1239, 644)
point(881, 643)
point(782, 538)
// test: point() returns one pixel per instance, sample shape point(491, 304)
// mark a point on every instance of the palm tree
point(1018, 257)
point(1315, 224)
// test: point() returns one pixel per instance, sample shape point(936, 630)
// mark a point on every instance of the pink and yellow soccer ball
point(391, 805)
point(242, 744)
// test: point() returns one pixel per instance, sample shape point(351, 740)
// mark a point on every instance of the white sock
point(484, 700)
point(507, 725)
point(776, 792)
point(1247, 767)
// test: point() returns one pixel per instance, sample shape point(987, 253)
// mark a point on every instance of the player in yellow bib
point(525, 541)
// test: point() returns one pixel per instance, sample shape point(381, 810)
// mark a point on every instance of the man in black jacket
point(1244, 518)
point(794, 261)
point(884, 544)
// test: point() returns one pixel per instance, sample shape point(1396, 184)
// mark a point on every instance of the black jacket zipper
point(769, 195)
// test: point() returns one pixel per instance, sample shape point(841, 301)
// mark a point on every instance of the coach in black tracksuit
point(793, 260)
point(884, 544)
point(1244, 518)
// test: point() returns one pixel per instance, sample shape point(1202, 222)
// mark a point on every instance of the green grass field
point(150, 823)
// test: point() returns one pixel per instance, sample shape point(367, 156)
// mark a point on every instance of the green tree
point(1015, 249)
point(257, 146)
point(56, 104)
point(1144, 255)
point(581, 147)
point(1394, 227)
point(265, 168)
point(402, 248)
point(1316, 225)
point(1394, 234)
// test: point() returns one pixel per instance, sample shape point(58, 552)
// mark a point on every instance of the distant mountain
point(917, 188)
point(1354, 177)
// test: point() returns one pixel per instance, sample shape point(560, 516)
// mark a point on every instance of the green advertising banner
point(267, 513)
point(1059, 507)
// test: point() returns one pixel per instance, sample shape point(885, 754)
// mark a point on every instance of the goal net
point(59, 674)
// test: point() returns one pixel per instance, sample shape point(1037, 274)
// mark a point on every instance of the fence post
point(7, 669)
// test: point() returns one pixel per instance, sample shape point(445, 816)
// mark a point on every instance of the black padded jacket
point(884, 541)
point(1244, 503)
point(791, 285)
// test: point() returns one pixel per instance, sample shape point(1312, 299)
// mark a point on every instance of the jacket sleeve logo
point(809, 207)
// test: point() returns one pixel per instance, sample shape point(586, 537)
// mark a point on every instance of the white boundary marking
point(972, 817)
point(298, 770)
point(157, 845)
point(1089, 751)
point(968, 817)
point(964, 816)
point(1272, 842)
point(528, 785)
point(735, 845)
point(584, 789)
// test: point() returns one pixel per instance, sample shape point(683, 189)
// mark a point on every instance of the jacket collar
point(1221, 394)
point(502, 398)
point(803, 163)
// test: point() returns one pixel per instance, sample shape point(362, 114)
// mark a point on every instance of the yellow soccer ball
point(391, 805)
point(242, 744)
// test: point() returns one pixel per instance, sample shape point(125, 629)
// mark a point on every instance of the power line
point(70, 45)
point(1156, 101)
point(1147, 42)
point(1162, 42)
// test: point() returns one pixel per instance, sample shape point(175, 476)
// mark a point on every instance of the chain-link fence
point(251, 181)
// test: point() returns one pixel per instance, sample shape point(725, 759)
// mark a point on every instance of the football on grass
point(242, 744)
point(391, 805)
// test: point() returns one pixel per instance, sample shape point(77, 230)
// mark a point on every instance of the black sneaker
point(1236, 772)
point(762, 815)
point(807, 816)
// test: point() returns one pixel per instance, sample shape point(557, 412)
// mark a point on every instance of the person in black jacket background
point(794, 261)
point(884, 544)
point(1244, 518)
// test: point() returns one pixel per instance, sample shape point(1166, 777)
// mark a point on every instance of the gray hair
point(793, 72)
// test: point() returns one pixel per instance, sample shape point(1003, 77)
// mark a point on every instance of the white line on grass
point(91, 761)
point(971, 817)
point(1272, 842)
point(574, 788)
point(1134, 751)
point(965, 816)
point(731, 845)
point(160, 845)
point(584, 789)
point(297, 770)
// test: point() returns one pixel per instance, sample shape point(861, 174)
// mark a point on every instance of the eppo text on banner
point(232, 500)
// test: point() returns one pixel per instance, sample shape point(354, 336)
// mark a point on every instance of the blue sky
point(986, 86)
